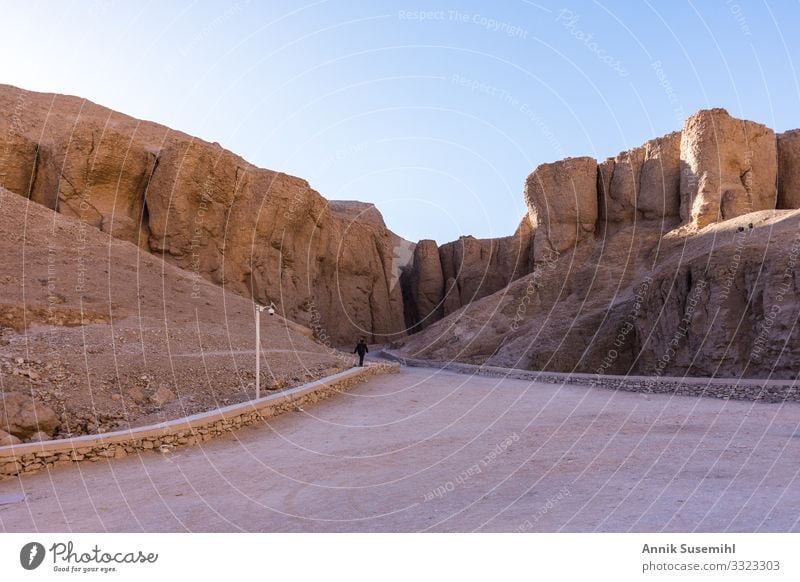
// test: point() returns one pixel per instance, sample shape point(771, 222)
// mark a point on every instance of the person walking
point(361, 350)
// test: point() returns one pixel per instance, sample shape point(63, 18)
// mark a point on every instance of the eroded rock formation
point(258, 232)
point(642, 183)
point(667, 259)
point(789, 169)
point(441, 280)
point(729, 167)
point(562, 203)
point(580, 251)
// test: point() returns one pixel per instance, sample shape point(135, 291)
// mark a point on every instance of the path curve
point(433, 450)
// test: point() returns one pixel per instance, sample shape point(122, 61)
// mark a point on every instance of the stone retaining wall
point(727, 388)
point(24, 458)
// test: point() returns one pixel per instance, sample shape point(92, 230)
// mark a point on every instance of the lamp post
point(271, 310)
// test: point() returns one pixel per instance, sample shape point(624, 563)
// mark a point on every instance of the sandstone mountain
point(676, 257)
point(256, 232)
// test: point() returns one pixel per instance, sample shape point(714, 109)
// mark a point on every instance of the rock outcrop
point(721, 302)
point(260, 233)
point(789, 169)
point(729, 167)
point(687, 267)
point(441, 280)
point(642, 183)
point(425, 284)
point(562, 203)
point(109, 337)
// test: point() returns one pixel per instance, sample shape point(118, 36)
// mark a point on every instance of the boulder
point(22, 416)
point(136, 394)
point(789, 169)
point(38, 437)
point(7, 439)
point(729, 168)
point(163, 396)
point(562, 203)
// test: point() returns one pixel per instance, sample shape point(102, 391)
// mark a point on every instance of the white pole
point(258, 352)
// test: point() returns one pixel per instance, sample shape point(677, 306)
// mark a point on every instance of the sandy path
point(229, 353)
point(427, 450)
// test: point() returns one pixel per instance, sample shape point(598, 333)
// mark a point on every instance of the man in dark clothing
point(361, 350)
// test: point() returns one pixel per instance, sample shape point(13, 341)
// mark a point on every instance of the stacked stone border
point(752, 389)
point(190, 430)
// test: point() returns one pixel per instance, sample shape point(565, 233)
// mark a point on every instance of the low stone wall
point(24, 458)
point(726, 388)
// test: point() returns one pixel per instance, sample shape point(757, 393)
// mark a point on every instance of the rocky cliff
point(440, 280)
point(676, 257)
point(257, 232)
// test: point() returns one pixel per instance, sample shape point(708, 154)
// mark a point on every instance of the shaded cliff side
point(440, 280)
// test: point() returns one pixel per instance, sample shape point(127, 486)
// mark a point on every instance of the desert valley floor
point(428, 450)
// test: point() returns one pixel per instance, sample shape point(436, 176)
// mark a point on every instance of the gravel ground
point(426, 450)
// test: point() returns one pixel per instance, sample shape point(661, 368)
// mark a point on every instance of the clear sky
point(435, 111)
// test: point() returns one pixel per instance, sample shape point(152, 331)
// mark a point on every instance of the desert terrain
point(98, 335)
point(135, 255)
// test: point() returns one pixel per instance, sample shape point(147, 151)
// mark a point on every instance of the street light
point(271, 310)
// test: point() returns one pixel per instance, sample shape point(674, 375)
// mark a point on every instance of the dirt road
point(426, 450)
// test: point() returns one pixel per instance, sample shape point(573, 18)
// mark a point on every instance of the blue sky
point(434, 111)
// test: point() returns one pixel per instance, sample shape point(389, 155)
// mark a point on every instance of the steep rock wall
point(729, 167)
point(258, 232)
point(441, 280)
point(686, 267)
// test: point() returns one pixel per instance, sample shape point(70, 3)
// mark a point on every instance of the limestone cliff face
point(677, 257)
point(729, 167)
point(642, 183)
point(441, 280)
point(562, 204)
point(789, 169)
point(424, 287)
point(260, 233)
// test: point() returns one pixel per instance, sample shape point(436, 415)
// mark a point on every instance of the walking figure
point(361, 350)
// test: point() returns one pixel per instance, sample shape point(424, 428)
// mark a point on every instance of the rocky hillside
point(676, 257)
point(97, 335)
point(256, 232)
